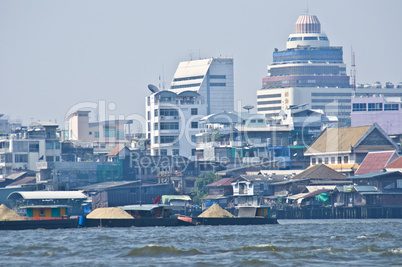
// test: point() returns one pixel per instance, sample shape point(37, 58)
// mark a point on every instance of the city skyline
point(55, 55)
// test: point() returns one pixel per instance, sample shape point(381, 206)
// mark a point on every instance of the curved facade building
point(308, 60)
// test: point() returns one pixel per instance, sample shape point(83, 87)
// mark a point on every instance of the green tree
point(200, 188)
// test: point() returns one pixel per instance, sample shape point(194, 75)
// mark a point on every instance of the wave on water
point(160, 251)
point(261, 247)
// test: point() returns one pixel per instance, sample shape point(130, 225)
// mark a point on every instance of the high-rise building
point(310, 71)
point(198, 88)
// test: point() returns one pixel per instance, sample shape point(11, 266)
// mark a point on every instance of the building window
point(21, 158)
point(217, 76)
point(57, 158)
point(194, 125)
point(194, 111)
point(313, 161)
point(319, 160)
point(109, 131)
point(359, 107)
point(332, 160)
point(57, 145)
point(326, 160)
point(169, 112)
point(374, 106)
point(49, 158)
point(339, 160)
point(168, 139)
point(155, 126)
point(156, 140)
point(20, 146)
point(185, 86)
point(345, 159)
point(217, 84)
point(90, 133)
point(169, 126)
point(49, 145)
point(148, 115)
point(96, 134)
point(34, 147)
point(175, 152)
point(156, 113)
point(163, 152)
point(193, 138)
point(391, 106)
point(193, 151)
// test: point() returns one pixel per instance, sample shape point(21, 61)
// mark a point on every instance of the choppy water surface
point(291, 243)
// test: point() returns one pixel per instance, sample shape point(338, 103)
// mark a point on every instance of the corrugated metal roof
point(222, 182)
point(376, 161)
point(23, 181)
point(48, 195)
point(374, 174)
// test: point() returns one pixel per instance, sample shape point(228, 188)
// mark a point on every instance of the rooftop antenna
point(353, 72)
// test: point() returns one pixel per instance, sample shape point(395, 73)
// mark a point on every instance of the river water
point(291, 243)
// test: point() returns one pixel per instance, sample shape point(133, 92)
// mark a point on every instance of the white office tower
point(198, 88)
point(310, 71)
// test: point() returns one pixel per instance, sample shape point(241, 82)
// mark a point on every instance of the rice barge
point(159, 215)
point(136, 216)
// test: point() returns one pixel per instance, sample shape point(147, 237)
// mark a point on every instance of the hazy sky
point(57, 54)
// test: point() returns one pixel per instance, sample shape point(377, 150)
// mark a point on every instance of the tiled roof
point(338, 139)
point(115, 151)
point(319, 171)
point(396, 164)
point(222, 182)
point(376, 161)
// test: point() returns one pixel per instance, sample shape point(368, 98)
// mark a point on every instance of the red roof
point(223, 182)
point(396, 164)
point(376, 161)
point(115, 151)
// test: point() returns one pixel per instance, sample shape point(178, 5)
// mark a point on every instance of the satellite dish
point(153, 88)
point(248, 107)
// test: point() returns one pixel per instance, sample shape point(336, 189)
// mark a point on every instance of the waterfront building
point(241, 138)
point(198, 88)
point(103, 136)
point(311, 71)
point(24, 149)
point(385, 111)
point(349, 145)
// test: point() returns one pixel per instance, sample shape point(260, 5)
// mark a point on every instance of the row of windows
point(188, 78)
point(167, 112)
point(331, 94)
point(268, 108)
point(307, 70)
point(217, 84)
point(269, 102)
point(268, 96)
point(332, 107)
point(217, 76)
point(165, 139)
point(167, 126)
point(330, 160)
point(308, 38)
point(185, 85)
point(374, 107)
point(318, 100)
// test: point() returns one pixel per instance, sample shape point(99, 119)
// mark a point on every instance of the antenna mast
point(353, 72)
